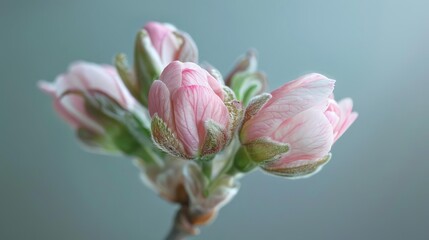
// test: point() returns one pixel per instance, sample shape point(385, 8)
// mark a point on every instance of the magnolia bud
point(94, 101)
point(193, 115)
point(245, 80)
point(157, 45)
point(290, 132)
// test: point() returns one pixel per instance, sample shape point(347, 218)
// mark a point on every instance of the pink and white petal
point(347, 117)
point(157, 32)
point(287, 101)
point(192, 76)
point(333, 113)
point(189, 50)
point(347, 123)
point(171, 76)
point(215, 85)
point(309, 135)
point(169, 48)
point(47, 87)
point(160, 102)
point(72, 108)
point(94, 77)
point(193, 106)
point(346, 105)
point(69, 118)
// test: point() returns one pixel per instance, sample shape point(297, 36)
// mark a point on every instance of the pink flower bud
point(191, 114)
point(69, 89)
point(171, 44)
point(291, 132)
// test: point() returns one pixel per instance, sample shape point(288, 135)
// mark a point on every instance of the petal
point(85, 76)
point(47, 87)
point(194, 75)
point(215, 85)
point(347, 117)
point(192, 106)
point(171, 76)
point(72, 108)
point(160, 102)
point(287, 101)
point(169, 48)
point(157, 32)
point(309, 135)
point(189, 50)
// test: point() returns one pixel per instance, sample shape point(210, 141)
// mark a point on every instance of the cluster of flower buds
point(192, 133)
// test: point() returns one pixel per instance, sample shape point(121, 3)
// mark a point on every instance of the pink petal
point(72, 108)
point(193, 105)
point(169, 48)
point(47, 87)
point(347, 117)
point(88, 76)
point(189, 50)
point(194, 75)
point(157, 32)
point(287, 101)
point(309, 135)
point(215, 85)
point(171, 76)
point(160, 102)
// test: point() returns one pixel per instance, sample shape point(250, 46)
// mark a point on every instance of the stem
point(176, 234)
point(181, 228)
point(226, 167)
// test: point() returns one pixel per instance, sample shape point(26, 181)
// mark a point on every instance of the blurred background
point(375, 187)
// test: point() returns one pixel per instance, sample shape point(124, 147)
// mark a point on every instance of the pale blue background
point(375, 187)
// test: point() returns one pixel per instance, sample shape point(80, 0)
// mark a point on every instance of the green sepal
point(247, 63)
point(165, 139)
point(123, 69)
point(95, 141)
point(247, 85)
point(235, 109)
point(147, 65)
point(302, 171)
point(242, 161)
point(124, 130)
point(215, 139)
point(255, 104)
point(265, 149)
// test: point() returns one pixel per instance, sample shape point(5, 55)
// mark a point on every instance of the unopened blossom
point(290, 132)
point(157, 45)
point(83, 80)
point(171, 44)
point(192, 115)
point(166, 178)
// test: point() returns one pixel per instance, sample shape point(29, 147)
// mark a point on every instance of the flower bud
point(290, 132)
point(245, 80)
point(193, 115)
point(87, 97)
point(204, 199)
point(157, 45)
point(166, 178)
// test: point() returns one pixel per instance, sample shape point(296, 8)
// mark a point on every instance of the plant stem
point(181, 228)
